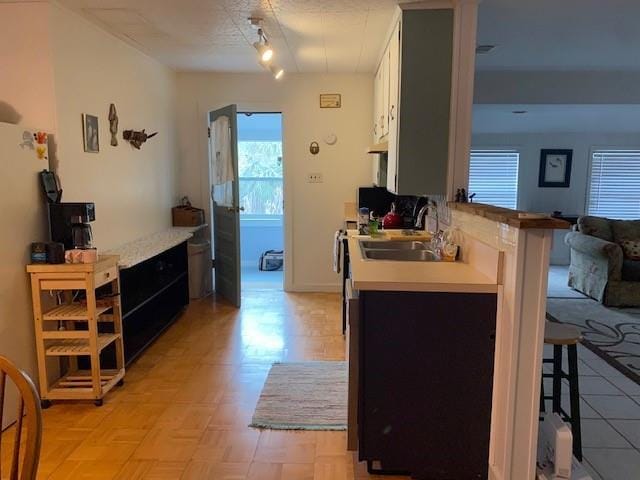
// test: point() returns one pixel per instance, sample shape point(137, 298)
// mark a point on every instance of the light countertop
point(144, 248)
point(386, 275)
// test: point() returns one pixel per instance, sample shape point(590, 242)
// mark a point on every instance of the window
point(614, 184)
point(260, 174)
point(493, 177)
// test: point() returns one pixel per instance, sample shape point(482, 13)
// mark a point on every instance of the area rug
point(303, 396)
point(611, 333)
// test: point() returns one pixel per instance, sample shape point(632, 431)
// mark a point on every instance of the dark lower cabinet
point(426, 380)
point(153, 293)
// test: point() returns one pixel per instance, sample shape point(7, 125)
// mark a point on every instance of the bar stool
point(560, 335)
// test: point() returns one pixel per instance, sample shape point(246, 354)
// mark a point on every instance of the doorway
point(261, 192)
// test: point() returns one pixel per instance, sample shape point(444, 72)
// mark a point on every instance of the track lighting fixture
point(264, 49)
point(265, 52)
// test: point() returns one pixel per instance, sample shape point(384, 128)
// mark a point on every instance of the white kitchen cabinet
point(414, 78)
point(384, 112)
point(394, 91)
point(377, 104)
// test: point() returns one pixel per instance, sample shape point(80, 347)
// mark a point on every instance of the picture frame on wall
point(555, 167)
point(90, 134)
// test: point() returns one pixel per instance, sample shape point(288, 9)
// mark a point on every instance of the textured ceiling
point(307, 35)
point(347, 35)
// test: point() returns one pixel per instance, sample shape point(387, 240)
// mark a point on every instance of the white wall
point(133, 189)
point(54, 66)
point(570, 201)
point(313, 211)
point(26, 73)
point(583, 87)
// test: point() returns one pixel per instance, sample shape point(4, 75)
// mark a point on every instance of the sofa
point(605, 260)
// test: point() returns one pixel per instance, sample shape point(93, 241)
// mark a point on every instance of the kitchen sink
point(398, 251)
point(394, 245)
point(401, 255)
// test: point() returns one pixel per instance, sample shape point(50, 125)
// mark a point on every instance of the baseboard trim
point(317, 288)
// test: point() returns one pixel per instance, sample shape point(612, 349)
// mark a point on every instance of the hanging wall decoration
point(555, 168)
point(90, 133)
point(41, 145)
point(137, 138)
point(113, 124)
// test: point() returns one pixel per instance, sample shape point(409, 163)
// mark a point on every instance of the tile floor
point(254, 279)
point(610, 409)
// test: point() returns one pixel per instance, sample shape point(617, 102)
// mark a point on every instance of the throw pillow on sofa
point(626, 233)
point(631, 249)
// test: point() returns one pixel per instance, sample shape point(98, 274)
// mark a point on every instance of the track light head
point(276, 71)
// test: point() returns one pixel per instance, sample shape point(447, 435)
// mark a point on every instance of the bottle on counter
point(363, 221)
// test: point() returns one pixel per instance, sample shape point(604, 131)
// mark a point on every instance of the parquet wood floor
point(186, 403)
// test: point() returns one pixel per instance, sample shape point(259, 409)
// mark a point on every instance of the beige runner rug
point(303, 396)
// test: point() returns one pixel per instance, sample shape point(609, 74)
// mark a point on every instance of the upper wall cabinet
point(420, 63)
point(423, 96)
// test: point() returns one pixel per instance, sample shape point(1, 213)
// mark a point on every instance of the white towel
point(221, 148)
point(337, 250)
point(222, 174)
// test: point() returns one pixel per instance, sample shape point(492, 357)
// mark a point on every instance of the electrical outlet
point(314, 177)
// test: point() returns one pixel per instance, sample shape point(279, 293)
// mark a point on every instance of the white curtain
point(222, 173)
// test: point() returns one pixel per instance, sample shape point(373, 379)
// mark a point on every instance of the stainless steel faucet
point(420, 217)
point(423, 212)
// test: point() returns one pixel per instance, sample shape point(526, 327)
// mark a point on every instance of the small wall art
point(113, 125)
point(330, 100)
point(555, 168)
point(90, 133)
point(136, 139)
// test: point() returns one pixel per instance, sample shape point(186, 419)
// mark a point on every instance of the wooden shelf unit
point(71, 330)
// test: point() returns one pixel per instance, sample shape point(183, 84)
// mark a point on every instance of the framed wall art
point(90, 133)
point(555, 168)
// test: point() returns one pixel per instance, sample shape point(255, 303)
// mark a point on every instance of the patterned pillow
point(631, 249)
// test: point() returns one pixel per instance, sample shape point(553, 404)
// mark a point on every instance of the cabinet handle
point(391, 112)
point(375, 128)
point(107, 275)
point(382, 121)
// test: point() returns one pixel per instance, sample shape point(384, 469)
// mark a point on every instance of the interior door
point(225, 202)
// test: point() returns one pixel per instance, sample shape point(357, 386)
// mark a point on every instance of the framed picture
point(330, 100)
point(90, 133)
point(555, 168)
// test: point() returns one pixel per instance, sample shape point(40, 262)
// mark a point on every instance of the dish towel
point(221, 162)
point(337, 249)
point(221, 143)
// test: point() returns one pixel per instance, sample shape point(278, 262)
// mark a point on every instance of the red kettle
point(392, 219)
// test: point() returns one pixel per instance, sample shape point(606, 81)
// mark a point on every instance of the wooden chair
point(29, 411)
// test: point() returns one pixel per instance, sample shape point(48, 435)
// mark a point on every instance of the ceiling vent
point(484, 49)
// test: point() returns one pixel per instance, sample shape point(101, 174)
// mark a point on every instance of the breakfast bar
point(470, 329)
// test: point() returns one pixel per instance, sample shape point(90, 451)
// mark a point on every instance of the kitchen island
point(445, 358)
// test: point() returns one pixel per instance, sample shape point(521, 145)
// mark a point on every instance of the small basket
point(187, 216)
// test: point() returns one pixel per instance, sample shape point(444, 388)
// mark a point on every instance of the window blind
point(614, 184)
point(493, 177)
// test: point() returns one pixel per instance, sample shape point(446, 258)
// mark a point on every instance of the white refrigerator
point(23, 220)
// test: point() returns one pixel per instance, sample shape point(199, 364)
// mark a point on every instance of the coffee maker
point(69, 223)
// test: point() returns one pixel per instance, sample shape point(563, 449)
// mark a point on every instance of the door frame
point(287, 180)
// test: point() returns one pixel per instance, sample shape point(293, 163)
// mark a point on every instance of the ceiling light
point(265, 51)
point(484, 49)
point(519, 112)
point(277, 72)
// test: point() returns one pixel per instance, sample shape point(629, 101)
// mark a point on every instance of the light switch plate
point(314, 177)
